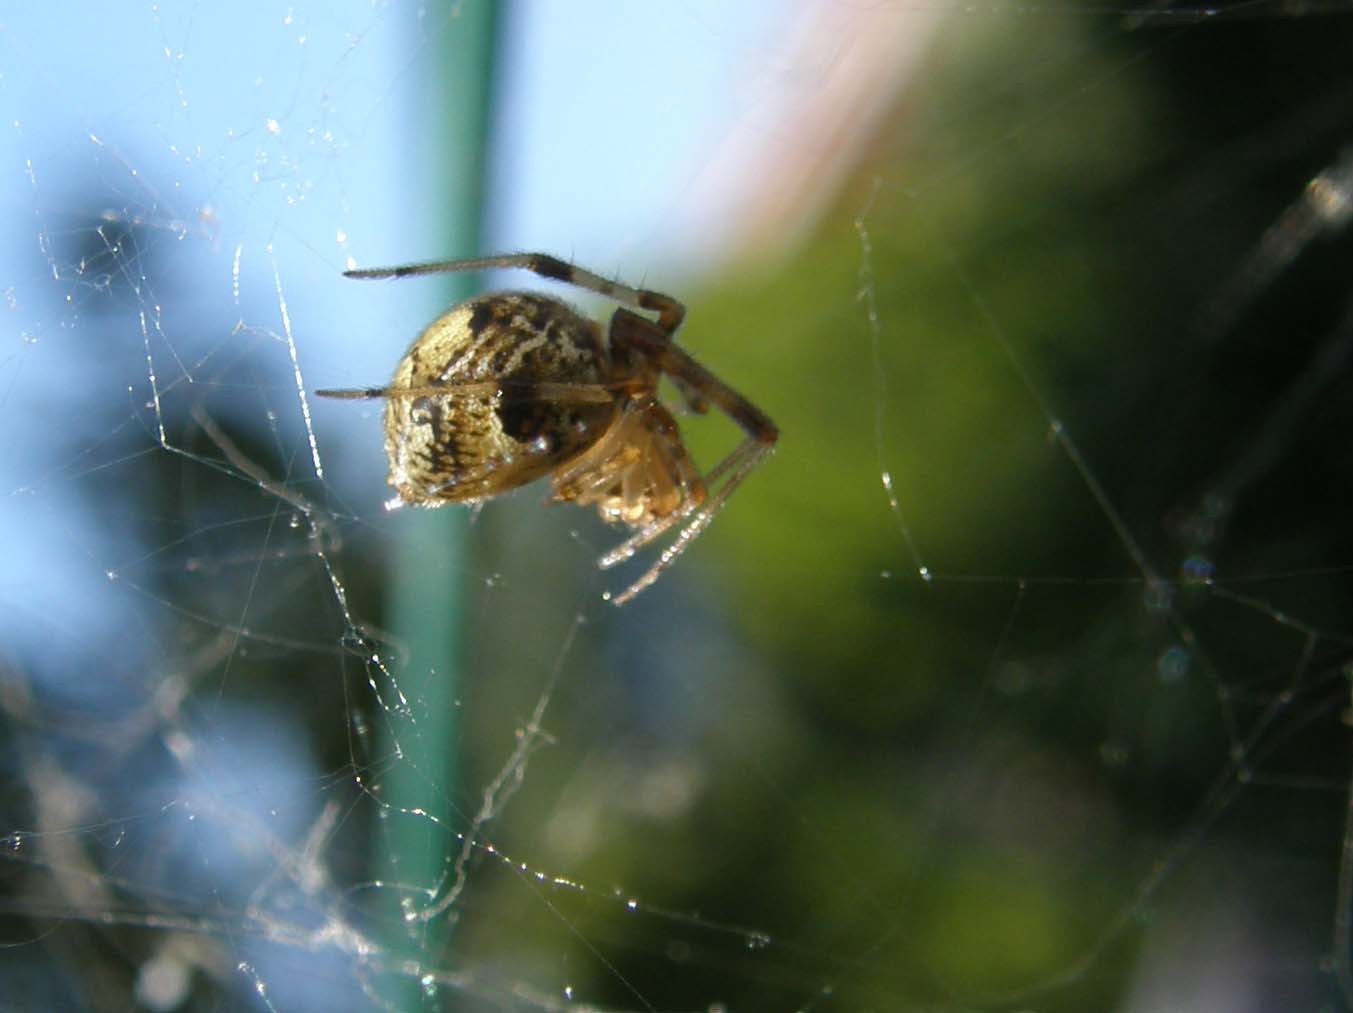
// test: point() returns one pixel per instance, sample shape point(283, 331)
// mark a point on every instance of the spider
point(511, 386)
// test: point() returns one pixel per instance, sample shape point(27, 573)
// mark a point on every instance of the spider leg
point(738, 465)
point(650, 533)
point(695, 401)
point(746, 456)
point(516, 390)
point(631, 331)
point(670, 311)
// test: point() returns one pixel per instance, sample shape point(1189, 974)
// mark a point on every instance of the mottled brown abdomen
point(495, 428)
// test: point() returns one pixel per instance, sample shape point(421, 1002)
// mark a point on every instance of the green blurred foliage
point(976, 252)
point(953, 792)
point(967, 777)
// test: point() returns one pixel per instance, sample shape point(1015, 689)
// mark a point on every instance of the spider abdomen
point(508, 361)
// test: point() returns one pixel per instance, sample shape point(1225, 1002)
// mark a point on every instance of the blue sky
point(257, 148)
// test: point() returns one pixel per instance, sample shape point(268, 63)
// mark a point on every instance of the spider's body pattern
point(476, 446)
point(509, 387)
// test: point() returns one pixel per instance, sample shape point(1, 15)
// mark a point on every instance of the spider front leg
point(670, 311)
point(637, 336)
point(633, 333)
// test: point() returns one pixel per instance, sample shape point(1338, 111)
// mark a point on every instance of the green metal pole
point(450, 110)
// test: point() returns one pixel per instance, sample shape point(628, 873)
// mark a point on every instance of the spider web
point(1019, 678)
